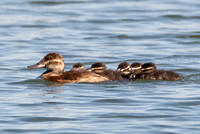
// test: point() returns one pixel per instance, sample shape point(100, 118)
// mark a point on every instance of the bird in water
point(123, 68)
point(149, 72)
point(78, 66)
point(54, 64)
point(135, 69)
point(100, 68)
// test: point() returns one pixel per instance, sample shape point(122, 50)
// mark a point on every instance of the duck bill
point(118, 70)
point(38, 65)
point(74, 69)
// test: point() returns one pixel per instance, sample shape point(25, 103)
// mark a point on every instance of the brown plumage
point(123, 68)
point(100, 68)
point(150, 72)
point(78, 66)
point(135, 70)
point(54, 63)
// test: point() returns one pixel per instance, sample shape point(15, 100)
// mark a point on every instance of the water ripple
point(50, 2)
point(112, 101)
point(88, 31)
point(46, 119)
point(114, 115)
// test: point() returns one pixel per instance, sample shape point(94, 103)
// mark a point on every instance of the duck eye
point(50, 57)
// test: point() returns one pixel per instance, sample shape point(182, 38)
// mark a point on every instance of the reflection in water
point(38, 81)
point(53, 91)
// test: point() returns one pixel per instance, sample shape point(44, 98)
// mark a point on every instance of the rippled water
point(164, 32)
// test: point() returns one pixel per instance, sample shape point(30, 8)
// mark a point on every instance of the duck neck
point(50, 73)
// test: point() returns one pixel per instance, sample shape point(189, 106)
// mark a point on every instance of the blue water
point(111, 31)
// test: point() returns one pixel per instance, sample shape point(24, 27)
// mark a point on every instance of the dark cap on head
point(136, 64)
point(147, 65)
point(78, 66)
point(123, 65)
point(98, 64)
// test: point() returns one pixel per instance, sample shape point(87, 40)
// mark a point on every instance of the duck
point(54, 64)
point(135, 69)
point(100, 68)
point(149, 72)
point(78, 66)
point(123, 68)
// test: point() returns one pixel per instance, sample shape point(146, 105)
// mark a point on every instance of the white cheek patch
point(57, 66)
point(125, 68)
point(135, 68)
point(56, 60)
point(80, 68)
point(54, 64)
point(150, 68)
point(100, 68)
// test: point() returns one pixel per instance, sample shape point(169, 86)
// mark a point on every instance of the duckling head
point(148, 68)
point(124, 68)
point(98, 68)
point(78, 66)
point(136, 67)
point(53, 62)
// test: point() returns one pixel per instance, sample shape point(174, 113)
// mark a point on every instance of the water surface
point(164, 32)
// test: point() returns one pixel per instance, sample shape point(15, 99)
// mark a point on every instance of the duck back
point(161, 75)
point(74, 76)
point(147, 76)
point(166, 75)
point(83, 76)
point(112, 75)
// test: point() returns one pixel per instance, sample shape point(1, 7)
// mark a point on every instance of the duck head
point(53, 62)
point(78, 66)
point(148, 68)
point(98, 68)
point(136, 67)
point(124, 68)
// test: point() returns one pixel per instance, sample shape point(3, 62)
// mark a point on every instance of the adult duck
point(54, 64)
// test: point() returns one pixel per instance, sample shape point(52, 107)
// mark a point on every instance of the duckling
point(135, 69)
point(78, 66)
point(123, 68)
point(150, 72)
point(100, 68)
point(54, 63)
